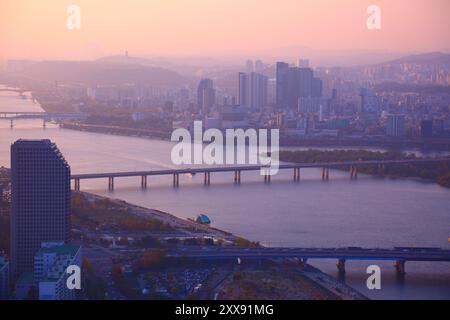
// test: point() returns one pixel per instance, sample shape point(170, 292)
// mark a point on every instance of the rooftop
point(60, 249)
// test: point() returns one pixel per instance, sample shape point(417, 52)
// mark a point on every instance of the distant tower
point(282, 81)
point(206, 96)
point(40, 191)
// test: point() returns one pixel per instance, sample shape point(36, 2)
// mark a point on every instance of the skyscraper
point(205, 95)
point(40, 190)
point(282, 85)
point(209, 99)
point(306, 81)
point(295, 83)
point(316, 89)
point(253, 91)
point(243, 89)
point(4, 278)
point(395, 125)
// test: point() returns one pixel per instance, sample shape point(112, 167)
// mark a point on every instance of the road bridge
point(352, 166)
point(400, 255)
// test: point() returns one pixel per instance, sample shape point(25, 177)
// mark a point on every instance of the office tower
point(203, 85)
point(395, 125)
point(369, 101)
point(253, 91)
point(257, 91)
point(293, 88)
point(282, 74)
point(243, 89)
point(316, 88)
point(426, 128)
point(50, 265)
point(40, 206)
point(209, 100)
point(305, 82)
point(293, 84)
point(4, 278)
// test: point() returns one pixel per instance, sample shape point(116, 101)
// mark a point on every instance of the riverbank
point(113, 216)
point(424, 145)
point(116, 130)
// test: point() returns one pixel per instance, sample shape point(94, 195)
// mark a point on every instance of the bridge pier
point(341, 266)
point(325, 174)
point(296, 174)
point(77, 185)
point(144, 182)
point(207, 180)
point(11, 125)
point(237, 176)
point(400, 266)
point(176, 180)
point(110, 183)
point(353, 173)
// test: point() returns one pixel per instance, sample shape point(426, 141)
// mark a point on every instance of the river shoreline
point(322, 280)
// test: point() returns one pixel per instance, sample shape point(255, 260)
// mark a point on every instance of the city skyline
point(240, 150)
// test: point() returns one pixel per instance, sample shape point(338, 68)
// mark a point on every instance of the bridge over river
point(400, 255)
point(45, 116)
point(351, 165)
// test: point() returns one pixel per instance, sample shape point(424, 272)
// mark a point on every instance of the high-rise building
point(50, 265)
point(40, 205)
point(294, 83)
point(4, 278)
point(395, 125)
point(316, 88)
point(253, 91)
point(282, 81)
point(305, 82)
point(369, 101)
point(243, 88)
point(206, 96)
point(209, 100)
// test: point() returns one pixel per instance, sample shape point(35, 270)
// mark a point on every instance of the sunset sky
point(37, 29)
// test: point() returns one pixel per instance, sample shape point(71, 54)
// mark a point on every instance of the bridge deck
point(255, 167)
point(305, 253)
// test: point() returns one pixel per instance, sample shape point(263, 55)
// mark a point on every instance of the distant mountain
point(94, 72)
point(426, 58)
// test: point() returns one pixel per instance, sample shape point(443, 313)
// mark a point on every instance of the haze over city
point(330, 32)
point(233, 150)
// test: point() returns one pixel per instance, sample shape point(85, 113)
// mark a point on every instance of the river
point(369, 212)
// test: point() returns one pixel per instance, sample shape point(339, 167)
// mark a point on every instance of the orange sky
point(37, 28)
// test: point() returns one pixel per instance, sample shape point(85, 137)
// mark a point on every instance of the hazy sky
point(37, 28)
